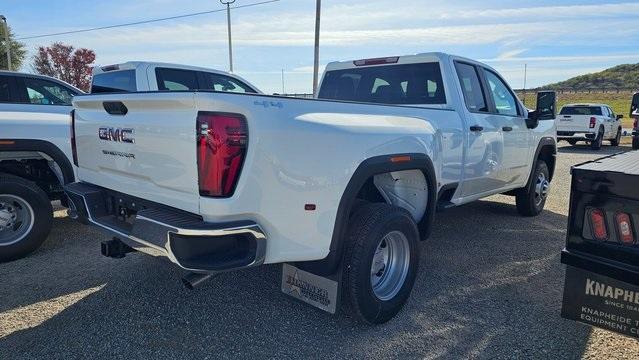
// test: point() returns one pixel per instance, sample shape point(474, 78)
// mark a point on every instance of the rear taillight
point(74, 149)
point(634, 125)
point(593, 122)
point(222, 140)
point(624, 228)
point(598, 222)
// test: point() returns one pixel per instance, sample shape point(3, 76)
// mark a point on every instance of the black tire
point(617, 139)
point(367, 229)
point(572, 142)
point(528, 201)
point(635, 142)
point(17, 189)
point(598, 141)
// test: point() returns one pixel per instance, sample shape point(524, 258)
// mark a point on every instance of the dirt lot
point(490, 287)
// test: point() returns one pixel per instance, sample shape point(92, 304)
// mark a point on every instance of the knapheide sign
point(600, 301)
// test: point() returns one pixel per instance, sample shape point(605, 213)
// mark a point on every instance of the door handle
point(476, 128)
point(507, 128)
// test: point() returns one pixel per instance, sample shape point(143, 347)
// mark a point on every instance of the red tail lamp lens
point(624, 228)
point(598, 221)
point(593, 122)
point(222, 140)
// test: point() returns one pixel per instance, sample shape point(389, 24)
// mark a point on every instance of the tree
point(65, 63)
point(18, 51)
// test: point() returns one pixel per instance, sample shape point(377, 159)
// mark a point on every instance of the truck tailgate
point(149, 151)
point(580, 123)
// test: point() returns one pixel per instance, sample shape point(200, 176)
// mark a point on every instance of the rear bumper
point(575, 135)
point(610, 268)
point(158, 230)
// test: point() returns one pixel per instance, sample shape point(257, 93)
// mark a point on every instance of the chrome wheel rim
point(542, 187)
point(390, 265)
point(16, 219)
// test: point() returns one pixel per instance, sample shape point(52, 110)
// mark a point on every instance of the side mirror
point(619, 117)
point(546, 109)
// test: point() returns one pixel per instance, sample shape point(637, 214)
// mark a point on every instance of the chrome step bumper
point(158, 230)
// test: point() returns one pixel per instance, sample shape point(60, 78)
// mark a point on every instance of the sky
point(556, 39)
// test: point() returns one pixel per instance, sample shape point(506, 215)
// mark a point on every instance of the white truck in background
point(340, 189)
point(137, 76)
point(592, 123)
point(35, 158)
point(35, 146)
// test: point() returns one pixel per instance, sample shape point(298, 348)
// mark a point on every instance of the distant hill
point(621, 76)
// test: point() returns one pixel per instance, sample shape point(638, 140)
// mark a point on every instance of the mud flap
point(321, 292)
point(601, 301)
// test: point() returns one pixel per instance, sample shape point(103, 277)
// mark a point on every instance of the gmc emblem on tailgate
point(116, 134)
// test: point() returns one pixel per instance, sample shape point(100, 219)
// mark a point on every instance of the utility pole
point(6, 41)
point(318, 11)
point(228, 22)
point(525, 75)
point(283, 91)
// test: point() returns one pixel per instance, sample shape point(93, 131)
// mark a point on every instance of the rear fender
point(366, 170)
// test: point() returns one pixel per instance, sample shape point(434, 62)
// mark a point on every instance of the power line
point(143, 21)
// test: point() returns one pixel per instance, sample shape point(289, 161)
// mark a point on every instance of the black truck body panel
point(602, 245)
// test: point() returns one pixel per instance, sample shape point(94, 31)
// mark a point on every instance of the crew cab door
point(607, 121)
point(614, 123)
point(515, 134)
point(485, 146)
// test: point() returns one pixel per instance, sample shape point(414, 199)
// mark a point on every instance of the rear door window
point(581, 110)
point(471, 87)
point(114, 81)
point(408, 84)
point(218, 82)
point(5, 89)
point(176, 79)
point(45, 92)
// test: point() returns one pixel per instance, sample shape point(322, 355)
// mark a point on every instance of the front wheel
point(26, 217)
point(531, 202)
point(617, 139)
point(380, 262)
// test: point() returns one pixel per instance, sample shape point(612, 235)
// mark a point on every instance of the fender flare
point(367, 169)
point(543, 142)
point(44, 147)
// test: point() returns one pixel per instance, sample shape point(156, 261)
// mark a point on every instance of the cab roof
point(404, 59)
point(586, 104)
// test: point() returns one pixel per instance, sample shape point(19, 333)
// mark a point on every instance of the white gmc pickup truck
point(340, 189)
point(592, 123)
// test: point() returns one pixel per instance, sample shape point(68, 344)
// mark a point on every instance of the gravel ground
point(490, 286)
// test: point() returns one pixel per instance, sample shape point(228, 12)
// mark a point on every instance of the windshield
point(581, 110)
point(389, 84)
